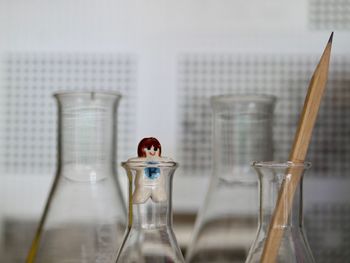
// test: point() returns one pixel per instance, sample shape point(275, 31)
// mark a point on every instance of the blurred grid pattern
point(287, 77)
point(329, 14)
point(30, 117)
point(328, 230)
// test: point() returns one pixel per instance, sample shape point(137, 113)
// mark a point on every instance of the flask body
point(227, 221)
point(84, 217)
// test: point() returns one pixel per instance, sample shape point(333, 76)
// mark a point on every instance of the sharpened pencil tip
point(331, 38)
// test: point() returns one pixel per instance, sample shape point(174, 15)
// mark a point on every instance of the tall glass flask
point(150, 237)
point(84, 218)
point(294, 247)
point(226, 223)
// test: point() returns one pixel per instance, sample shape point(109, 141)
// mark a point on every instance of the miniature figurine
point(149, 182)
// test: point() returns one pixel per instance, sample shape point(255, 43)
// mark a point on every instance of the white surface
point(157, 32)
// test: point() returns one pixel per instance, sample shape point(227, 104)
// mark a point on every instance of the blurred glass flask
point(294, 247)
point(85, 215)
point(150, 237)
point(226, 223)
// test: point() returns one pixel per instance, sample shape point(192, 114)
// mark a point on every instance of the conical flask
point(226, 224)
point(84, 217)
point(294, 247)
point(150, 237)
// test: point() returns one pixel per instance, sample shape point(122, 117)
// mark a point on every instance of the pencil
point(297, 155)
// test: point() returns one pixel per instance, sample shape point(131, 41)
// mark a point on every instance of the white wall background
point(156, 32)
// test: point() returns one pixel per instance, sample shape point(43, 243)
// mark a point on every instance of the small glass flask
point(85, 215)
point(227, 221)
point(294, 246)
point(149, 237)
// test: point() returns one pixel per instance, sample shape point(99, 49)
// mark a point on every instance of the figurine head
point(149, 147)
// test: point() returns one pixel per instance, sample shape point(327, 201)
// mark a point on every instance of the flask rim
point(243, 98)
point(63, 93)
point(276, 164)
point(144, 163)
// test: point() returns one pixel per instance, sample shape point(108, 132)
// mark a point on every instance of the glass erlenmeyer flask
point(150, 237)
point(294, 246)
point(84, 218)
point(226, 224)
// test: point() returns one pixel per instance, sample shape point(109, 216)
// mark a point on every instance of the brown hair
point(148, 143)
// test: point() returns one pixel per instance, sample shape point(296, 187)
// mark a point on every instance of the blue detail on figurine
point(152, 172)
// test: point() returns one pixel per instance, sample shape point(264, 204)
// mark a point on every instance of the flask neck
point(86, 136)
point(151, 215)
point(271, 180)
point(150, 197)
point(242, 128)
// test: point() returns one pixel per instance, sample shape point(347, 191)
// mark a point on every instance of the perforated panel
point(328, 230)
point(287, 77)
point(30, 135)
point(329, 14)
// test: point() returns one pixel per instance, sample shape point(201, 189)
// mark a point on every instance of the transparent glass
point(85, 216)
point(150, 237)
point(226, 224)
point(294, 247)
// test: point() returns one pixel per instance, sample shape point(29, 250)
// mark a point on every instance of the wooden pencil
point(297, 155)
